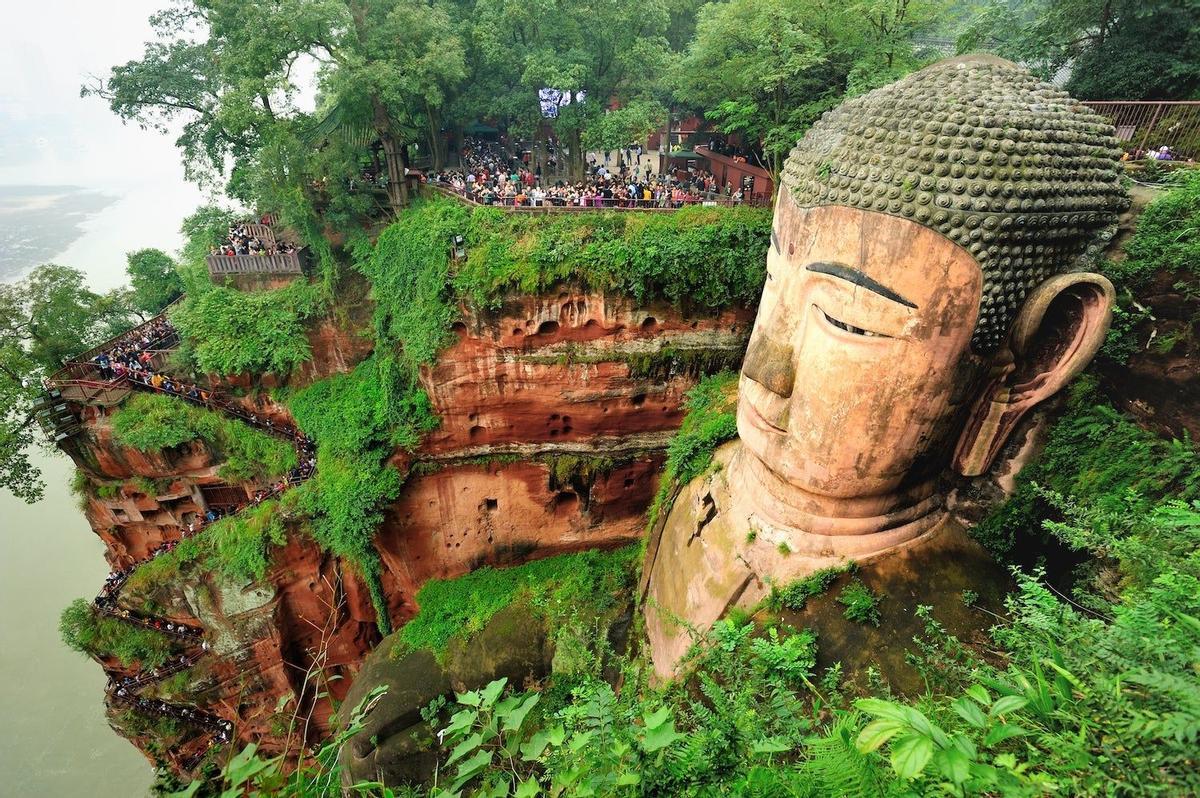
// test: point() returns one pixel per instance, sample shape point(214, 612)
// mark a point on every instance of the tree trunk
point(576, 155)
point(397, 191)
point(436, 153)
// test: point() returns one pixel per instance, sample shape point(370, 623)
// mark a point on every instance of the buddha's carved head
point(920, 296)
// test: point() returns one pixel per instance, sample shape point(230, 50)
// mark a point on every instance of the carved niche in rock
point(920, 300)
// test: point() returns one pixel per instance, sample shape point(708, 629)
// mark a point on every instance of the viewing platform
point(269, 263)
point(593, 203)
point(285, 263)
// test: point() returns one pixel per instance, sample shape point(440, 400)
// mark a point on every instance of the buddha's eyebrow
point(857, 277)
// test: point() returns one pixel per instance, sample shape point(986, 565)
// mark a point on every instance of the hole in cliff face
point(566, 419)
point(475, 432)
point(554, 416)
point(695, 324)
point(638, 400)
point(472, 416)
point(459, 329)
point(553, 433)
point(547, 328)
point(708, 511)
point(518, 331)
point(628, 483)
point(566, 430)
point(565, 501)
point(491, 505)
point(650, 323)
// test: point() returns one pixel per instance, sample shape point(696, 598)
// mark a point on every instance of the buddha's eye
point(850, 328)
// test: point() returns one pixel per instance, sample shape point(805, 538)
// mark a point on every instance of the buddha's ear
point(1056, 335)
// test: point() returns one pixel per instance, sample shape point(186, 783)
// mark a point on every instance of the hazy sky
point(48, 133)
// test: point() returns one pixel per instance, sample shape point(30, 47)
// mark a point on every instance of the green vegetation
point(710, 421)
point(357, 419)
point(85, 630)
point(861, 603)
point(569, 586)
point(155, 280)
point(46, 317)
point(1166, 238)
point(795, 595)
point(1099, 459)
point(1131, 49)
point(659, 365)
point(260, 332)
point(153, 422)
point(707, 258)
point(236, 548)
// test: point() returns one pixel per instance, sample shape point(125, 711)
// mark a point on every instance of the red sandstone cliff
point(555, 414)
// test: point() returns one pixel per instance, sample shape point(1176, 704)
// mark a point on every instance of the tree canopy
point(44, 319)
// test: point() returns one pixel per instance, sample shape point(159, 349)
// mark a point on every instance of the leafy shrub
point(796, 594)
point(85, 630)
point(357, 419)
point(789, 658)
point(861, 603)
point(234, 332)
point(153, 422)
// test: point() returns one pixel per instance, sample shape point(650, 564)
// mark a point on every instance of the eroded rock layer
point(556, 410)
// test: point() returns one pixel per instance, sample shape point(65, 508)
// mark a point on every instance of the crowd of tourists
point(221, 729)
point(243, 241)
point(492, 176)
point(131, 359)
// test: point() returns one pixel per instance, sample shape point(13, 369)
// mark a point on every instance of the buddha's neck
point(888, 518)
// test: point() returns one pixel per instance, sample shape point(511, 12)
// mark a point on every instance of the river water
point(54, 740)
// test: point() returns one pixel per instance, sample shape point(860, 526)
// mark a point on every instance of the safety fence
point(1145, 126)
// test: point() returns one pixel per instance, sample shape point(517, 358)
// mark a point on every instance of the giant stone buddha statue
point(922, 295)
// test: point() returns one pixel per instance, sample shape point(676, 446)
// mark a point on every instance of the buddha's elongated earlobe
point(1056, 335)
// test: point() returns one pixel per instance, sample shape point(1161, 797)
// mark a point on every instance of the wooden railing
point(262, 232)
point(285, 263)
point(1149, 124)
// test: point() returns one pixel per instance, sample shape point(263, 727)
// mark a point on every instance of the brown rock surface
point(556, 411)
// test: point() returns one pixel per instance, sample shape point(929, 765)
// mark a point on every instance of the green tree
point(44, 319)
point(385, 68)
point(1117, 49)
point(749, 67)
point(156, 283)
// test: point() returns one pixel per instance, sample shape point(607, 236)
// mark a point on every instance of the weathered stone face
point(1014, 170)
point(913, 313)
point(853, 382)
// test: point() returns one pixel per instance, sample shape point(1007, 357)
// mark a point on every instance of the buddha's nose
point(769, 363)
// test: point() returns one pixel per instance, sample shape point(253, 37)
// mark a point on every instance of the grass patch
point(571, 585)
point(153, 422)
point(796, 594)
